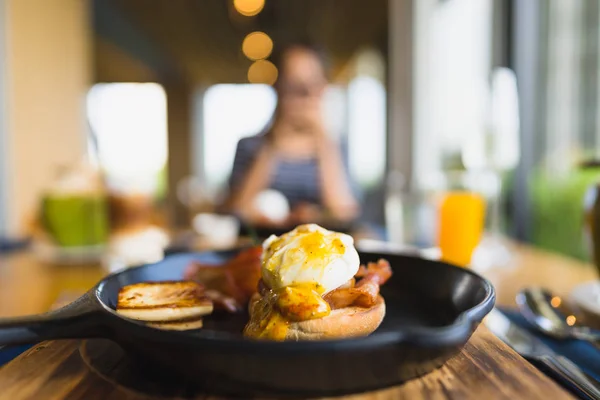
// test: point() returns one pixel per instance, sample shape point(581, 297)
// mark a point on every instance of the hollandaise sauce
point(275, 310)
point(305, 256)
point(311, 247)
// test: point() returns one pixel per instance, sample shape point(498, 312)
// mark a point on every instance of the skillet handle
point(80, 319)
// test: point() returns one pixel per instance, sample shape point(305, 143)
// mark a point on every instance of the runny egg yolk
point(275, 310)
point(316, 248)
point(303, 255)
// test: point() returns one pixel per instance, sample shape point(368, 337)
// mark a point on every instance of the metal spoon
point(543, 309)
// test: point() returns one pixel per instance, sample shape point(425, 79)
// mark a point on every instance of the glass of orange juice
point(461, 220)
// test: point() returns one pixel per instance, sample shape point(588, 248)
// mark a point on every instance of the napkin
point(584, 354)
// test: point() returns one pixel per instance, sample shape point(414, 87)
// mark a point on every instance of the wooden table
point(529, 266)
point(486, 368)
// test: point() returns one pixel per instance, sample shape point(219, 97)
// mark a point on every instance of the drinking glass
point(461, 218)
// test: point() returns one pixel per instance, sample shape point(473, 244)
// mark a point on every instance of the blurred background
point(120, 120)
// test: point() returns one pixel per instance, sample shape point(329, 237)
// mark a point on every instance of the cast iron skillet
point(432, 310)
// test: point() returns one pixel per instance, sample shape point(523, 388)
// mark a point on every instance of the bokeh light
point(262, 71)
point(248, 8)
point(257, 45)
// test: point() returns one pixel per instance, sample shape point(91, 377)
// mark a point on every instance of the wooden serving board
point(98, 369)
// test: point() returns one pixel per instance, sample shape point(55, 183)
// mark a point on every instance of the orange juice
point(461, 222)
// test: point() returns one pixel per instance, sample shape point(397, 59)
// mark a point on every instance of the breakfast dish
point(306, 284)
point(313, 287)
point(426, 322)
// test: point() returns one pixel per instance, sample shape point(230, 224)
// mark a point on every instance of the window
point(367, 130)
point(129, 123)
point(231, 112)
point(453, 47)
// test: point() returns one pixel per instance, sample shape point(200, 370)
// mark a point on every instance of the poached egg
point(309, 254)
point(299, 268)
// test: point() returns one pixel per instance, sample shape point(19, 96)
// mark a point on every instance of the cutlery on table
point(536, 351)
point(543, 310)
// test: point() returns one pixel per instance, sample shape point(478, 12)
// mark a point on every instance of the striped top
point(297, 180)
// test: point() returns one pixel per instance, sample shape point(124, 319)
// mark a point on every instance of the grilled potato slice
point(163, 301)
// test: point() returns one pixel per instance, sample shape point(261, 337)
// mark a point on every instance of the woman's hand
point(305, 213)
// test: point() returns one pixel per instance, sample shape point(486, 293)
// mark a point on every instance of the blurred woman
point(295, 156)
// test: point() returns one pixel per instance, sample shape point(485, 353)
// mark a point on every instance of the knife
point(538, 353)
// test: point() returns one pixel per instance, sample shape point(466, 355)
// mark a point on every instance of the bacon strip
point(381, 268)
point(365, 292)
point(349, 284)
point(223, 302)
point(243, 273)
point(235, 280)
